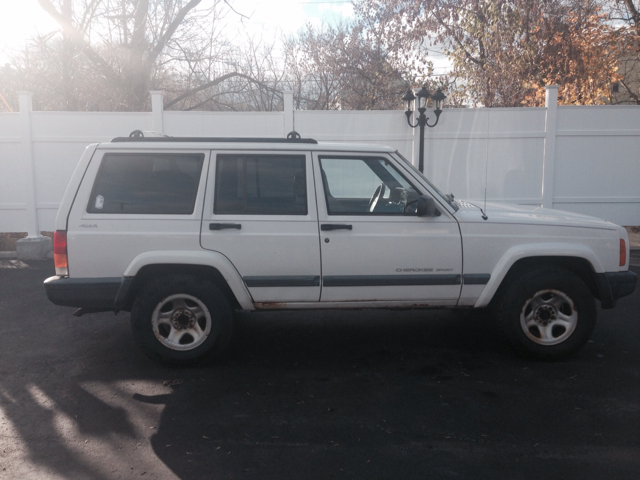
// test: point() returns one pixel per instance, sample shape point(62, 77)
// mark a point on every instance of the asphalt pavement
point(311, 395)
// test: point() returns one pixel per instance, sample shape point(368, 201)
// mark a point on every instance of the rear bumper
point(615, 285)
point(90, 293)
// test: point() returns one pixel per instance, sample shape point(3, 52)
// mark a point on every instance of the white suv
point(183, 231)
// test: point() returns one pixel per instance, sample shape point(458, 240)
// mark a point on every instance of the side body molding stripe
point(283, 281)
point(476, 278)
point(389, 280)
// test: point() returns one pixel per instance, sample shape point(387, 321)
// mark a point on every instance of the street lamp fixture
point(423, 96)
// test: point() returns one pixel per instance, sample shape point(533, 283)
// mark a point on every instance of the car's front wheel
point(181, 320)
point(547, 313)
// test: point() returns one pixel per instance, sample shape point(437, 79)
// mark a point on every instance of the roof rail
point(138, 136)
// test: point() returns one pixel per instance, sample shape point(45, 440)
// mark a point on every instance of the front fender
point(519, 252)
point(205, 258)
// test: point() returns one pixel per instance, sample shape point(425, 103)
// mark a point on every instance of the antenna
point(486, 178)
point(486, 169)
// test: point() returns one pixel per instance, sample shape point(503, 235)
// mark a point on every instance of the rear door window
point(252, 184)
point(147, 183)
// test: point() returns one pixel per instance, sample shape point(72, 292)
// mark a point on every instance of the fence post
point(288, 111)
point(35, 246)
point(549, 160)
point(26, 106)
point(157, 111)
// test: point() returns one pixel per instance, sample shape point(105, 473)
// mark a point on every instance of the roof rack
point(138, 136)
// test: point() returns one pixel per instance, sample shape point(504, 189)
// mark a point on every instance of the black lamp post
point(423, 97)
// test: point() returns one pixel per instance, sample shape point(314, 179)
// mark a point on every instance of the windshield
point(446, 197)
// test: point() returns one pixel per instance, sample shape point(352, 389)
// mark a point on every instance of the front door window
point(366, 186)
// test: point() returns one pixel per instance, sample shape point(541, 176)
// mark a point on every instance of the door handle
point(335, 226)
point(224, 226)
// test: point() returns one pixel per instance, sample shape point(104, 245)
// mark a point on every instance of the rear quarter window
point(147, 183)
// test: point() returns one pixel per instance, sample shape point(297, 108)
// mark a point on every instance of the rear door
point(374, 247)
point(260, 212)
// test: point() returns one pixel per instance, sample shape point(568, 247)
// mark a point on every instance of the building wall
point(629, 68)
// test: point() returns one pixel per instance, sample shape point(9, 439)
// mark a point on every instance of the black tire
point(548, 313)
point(181, 320)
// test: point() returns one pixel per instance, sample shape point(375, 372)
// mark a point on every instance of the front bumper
point(615, 285)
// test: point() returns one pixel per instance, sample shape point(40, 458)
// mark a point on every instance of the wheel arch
point(580, 267)
point(212, 266)
point(582, 262)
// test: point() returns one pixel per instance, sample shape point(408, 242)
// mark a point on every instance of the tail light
point(60, 253)
point(623, 252)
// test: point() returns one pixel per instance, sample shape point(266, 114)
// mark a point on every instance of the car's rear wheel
point(547, 313)
point(181, 320)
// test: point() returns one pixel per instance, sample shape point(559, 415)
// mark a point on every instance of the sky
point(22, 19)
point(291, 15)
point(19, 20)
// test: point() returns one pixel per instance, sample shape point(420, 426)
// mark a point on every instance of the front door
point(260, 212)
point(374, 247)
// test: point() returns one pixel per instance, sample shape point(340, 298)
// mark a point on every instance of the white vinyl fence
point(582, 159)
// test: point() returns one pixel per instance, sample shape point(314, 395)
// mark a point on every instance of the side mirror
point(427, 207)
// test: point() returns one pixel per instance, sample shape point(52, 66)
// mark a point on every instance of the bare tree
point(108, 54)
point(256, 82)
point(8, 103)
point(625, 16)
point(343, 67)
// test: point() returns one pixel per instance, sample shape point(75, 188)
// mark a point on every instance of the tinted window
point(261, 185)
point(366, 186)
point(147, 184)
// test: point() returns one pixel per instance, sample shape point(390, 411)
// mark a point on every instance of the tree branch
point(217, 81)
point(635, 96)
point(235, 11)
point(635, 13)
point(171, 29)
point(77, 36)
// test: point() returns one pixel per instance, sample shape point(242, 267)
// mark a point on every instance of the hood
point(526, 214)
